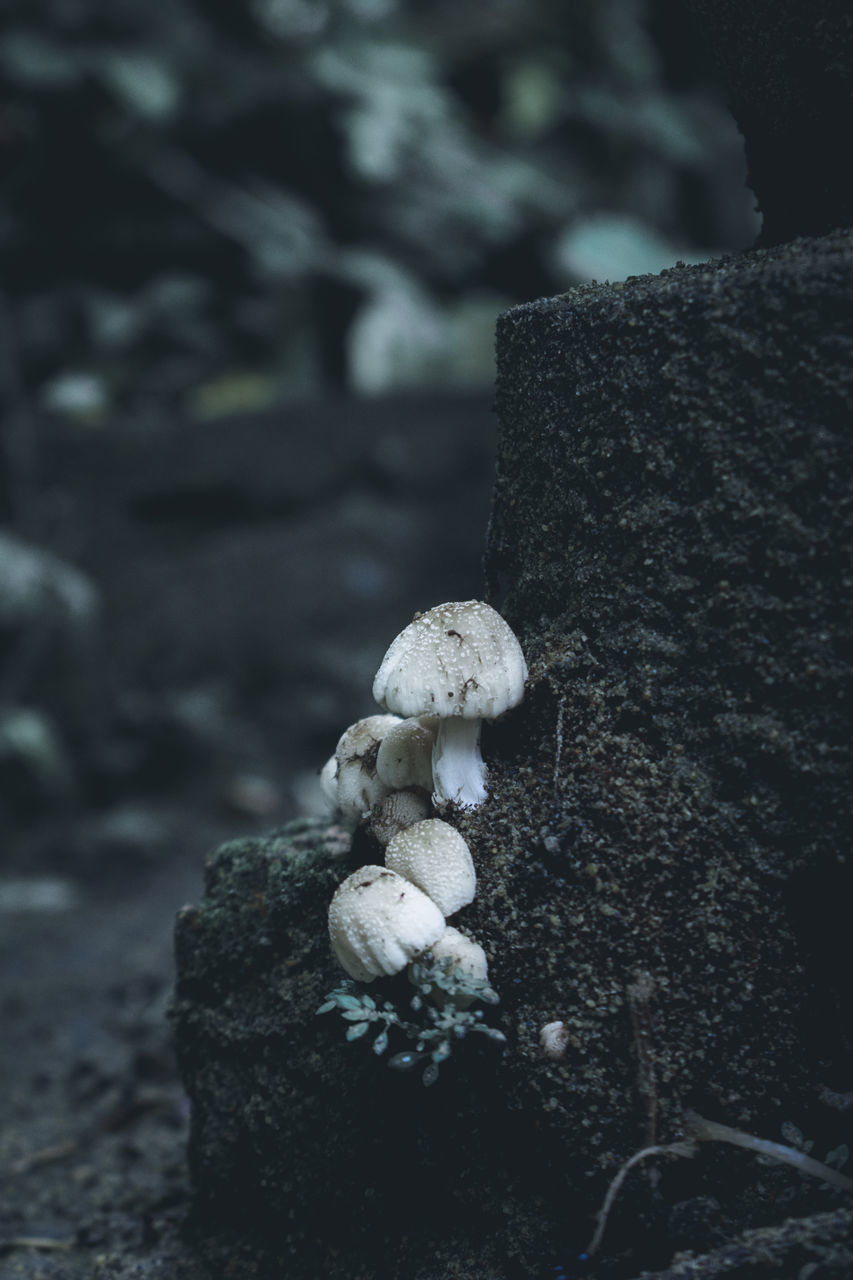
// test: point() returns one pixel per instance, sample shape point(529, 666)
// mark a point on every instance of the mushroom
point(379, 921)
point(461, 662)
point(396, 812)
point(358, 786)
point(554, 1040)
point(405, 753)
point(435, 857)
point(467, 961)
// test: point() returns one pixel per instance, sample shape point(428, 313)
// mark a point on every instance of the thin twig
point(672, 1149)
point(703, 1130)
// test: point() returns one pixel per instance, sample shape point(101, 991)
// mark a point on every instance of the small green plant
point(440, 1018)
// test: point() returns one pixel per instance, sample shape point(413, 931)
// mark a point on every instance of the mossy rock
point(662, 860)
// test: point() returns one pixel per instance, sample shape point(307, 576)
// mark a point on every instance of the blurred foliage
point(215, 205)
point(287, 196)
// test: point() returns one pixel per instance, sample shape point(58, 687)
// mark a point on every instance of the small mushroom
point(460, 662)
point(435, 857)
point(358, 786)
point(405, 753)
point(554, 1040)
point(396, 812)
point(379, 921)
point(468, 961)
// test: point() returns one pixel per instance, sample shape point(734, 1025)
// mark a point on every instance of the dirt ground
point(93, 1114)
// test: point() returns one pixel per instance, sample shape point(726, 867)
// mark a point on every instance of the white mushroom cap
point(435, 857)
point(554, 1040)
point(467, 960)
point(329, 782)
point(398, 810)
point(458, 659)
point(467, 956)
point(378, 922)
point(461, 663)
point(405, 753)
point(359, 787)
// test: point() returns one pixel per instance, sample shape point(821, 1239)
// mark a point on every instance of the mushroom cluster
point(382, 918)
point(452, 667)
point(459, 664)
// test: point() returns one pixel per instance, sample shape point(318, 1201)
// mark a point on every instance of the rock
point(326, 1156)
point(659, 859)
point(819, 1245)
point(672, 540)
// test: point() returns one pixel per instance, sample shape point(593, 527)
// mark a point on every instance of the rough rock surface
point(661, 863)
point(672, 540)
point(304, 1147)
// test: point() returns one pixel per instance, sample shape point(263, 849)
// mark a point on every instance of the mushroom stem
point(458, 772)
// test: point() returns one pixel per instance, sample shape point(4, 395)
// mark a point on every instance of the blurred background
point(251, 256)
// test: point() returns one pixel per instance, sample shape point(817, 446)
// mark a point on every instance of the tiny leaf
point(792, 1134)
point(430, 1073)
point(403, 1061)
point(347, 1001)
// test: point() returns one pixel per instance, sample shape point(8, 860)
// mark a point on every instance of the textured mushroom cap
point(405, 753)
point(378, 921)
point(359, 787)
point(398, 810)
point(434, 856)
point(362, 738)
point(468, 962)
point(554, 1040)
point(459, 659)
point(468, 957)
